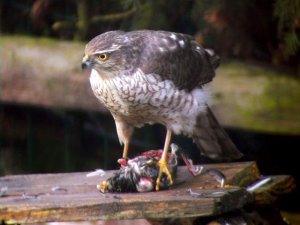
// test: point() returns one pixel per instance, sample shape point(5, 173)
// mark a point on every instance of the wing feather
point(176, 57)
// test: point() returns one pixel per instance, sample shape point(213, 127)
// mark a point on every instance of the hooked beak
point(86, 63)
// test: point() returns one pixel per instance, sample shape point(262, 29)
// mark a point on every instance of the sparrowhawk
point(146, 77)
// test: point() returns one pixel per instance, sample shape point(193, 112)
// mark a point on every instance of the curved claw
point(103, 187)
point(163, 169)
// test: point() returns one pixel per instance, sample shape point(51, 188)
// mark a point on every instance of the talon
point(103, 187)
point(163, 169)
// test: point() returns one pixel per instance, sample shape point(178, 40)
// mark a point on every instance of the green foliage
point(150, 15)
point(262, 30)
point(292, 43)
point(288, 12)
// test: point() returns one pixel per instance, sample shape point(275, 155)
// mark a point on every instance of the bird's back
point(173, 56)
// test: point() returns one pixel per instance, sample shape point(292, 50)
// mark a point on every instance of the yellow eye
point(103, 57)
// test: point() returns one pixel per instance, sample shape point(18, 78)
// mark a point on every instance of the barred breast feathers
point(145, 98)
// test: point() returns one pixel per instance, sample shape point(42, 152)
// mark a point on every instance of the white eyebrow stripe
point(114, 48)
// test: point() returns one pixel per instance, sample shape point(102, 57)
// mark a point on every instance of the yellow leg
point(163, 164)
point(125, 150)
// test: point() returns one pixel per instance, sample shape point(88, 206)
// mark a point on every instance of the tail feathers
point(212, 140)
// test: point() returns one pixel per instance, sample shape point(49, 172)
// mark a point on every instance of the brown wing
point(176, 57)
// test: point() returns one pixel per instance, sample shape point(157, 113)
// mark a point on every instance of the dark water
point(39, 140)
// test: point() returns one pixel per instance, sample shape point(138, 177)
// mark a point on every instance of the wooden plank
point(276, 187)
point(74, 197)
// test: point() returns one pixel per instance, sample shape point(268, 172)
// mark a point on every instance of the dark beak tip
point(84, 65)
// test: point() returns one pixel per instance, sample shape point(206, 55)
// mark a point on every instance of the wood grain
point(74, 197)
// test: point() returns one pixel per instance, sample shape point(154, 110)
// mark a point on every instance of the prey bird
point(145, 77)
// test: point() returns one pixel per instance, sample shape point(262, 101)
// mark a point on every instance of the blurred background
point(50, 120)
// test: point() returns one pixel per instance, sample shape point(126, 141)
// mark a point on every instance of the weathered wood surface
point(269, 193)
point(74, 197)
